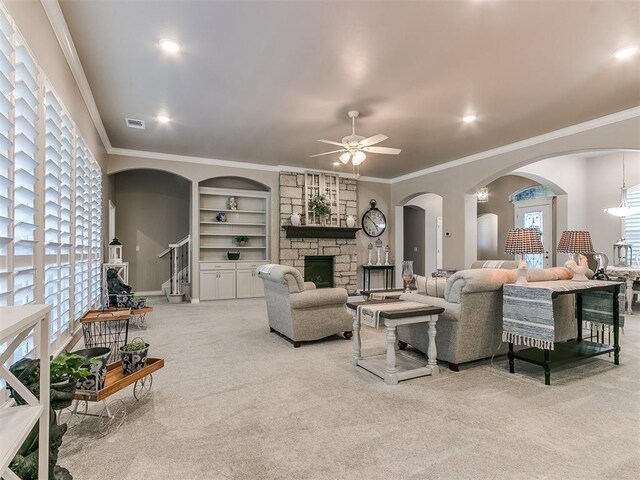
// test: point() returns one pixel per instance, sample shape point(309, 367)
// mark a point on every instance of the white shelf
point(13, 320)
point(15, 424)
point(230, 211)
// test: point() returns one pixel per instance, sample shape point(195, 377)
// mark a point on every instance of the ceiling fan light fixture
point(345, 157)
point(358, 157)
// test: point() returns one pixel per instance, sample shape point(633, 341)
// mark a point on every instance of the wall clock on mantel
point(374, 223)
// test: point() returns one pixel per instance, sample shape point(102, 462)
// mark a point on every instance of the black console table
point(389, 271)
point(529, 305)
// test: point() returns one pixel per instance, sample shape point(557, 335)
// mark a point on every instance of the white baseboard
point(195, 300)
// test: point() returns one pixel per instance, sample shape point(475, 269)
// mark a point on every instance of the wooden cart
point(113, 413)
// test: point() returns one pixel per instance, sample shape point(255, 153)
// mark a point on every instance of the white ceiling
point(260, 81)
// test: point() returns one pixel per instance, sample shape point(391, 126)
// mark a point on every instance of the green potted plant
point(66, 370)
point(320, 206)
point(241, 240)
point(134, 356)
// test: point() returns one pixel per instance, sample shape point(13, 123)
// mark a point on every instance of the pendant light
point(623, 209)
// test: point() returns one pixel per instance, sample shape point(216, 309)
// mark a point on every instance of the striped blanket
point(527, 317)
point(370, 314)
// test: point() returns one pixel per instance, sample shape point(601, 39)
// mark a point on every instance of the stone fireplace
point(343, 250)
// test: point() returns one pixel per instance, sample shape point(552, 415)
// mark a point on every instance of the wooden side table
point(394, 366)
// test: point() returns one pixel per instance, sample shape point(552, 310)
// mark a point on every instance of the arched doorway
point(419, 232)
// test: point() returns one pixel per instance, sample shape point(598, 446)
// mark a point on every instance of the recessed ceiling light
point(336, 164)
point(469, 118)
point(626, 52)
point(170, 46)
point(163, 119)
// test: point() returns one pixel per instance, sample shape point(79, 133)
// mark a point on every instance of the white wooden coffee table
point(394, 366)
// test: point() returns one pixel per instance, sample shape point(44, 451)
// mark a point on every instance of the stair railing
point(180, 263)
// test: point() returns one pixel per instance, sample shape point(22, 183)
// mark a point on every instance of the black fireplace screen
point(319, 270)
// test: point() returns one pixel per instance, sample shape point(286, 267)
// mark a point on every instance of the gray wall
point(152, 210)
point(414, 248)
point(499, 191)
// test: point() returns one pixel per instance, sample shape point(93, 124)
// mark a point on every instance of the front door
point(537, 214)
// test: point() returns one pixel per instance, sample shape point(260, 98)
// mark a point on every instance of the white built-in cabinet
point(226, 280)
point(221, 278)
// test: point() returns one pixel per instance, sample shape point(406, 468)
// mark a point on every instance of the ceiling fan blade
point(326, 153)
point(373, 140)
point(384, 150)
point(331, 142)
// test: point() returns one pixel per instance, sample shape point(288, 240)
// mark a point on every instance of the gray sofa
point(299, 311)
point(471, 326)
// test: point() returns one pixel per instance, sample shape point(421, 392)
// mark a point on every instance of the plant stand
point(112, 415)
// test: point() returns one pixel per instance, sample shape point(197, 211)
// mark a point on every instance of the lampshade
point(345, 157)
point(523, 240)
point(358, 157)
point(575, 241)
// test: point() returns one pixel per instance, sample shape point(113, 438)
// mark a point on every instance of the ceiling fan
point(355, 147)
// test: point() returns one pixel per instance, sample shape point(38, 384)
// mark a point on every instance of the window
point(316, 183)
point(82, 228)
point(6, 163)
point(50, 198)
point(632, 223)
point(96, 233)
point(25, 167)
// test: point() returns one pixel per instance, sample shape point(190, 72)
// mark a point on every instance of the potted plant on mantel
point(320, 207)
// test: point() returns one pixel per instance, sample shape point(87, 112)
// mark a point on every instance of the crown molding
point(61, 30)
point(172, 157)
point(545, 137)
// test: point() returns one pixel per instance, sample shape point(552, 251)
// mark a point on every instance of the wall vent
point(133, 123)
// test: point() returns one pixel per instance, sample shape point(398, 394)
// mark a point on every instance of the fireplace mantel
point(316, 231)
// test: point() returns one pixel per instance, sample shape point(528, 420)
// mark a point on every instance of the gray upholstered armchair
point(298, 311)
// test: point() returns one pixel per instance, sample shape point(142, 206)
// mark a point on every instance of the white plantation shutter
point(6, 153)
point(66, 235)
point(25, 169)
point(50, 198)
point(96, 233)
point(82, 228)
point(632, 223)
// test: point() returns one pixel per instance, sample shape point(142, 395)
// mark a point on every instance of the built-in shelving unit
point(250, 218)
point(16, 422)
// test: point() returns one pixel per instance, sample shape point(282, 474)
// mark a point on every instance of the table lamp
point(519, 242)
point(578, 243)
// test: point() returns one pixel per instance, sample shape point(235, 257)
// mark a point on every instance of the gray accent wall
point(152, 210)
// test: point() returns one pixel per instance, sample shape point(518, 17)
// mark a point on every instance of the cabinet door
point(226, 284)
point(258, 286)
point(244, 282)
point(208, 285)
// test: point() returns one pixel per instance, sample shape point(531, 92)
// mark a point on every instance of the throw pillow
point(435, 286)
point(421, 284)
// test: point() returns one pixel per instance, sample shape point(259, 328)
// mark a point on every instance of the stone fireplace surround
point(344, 251)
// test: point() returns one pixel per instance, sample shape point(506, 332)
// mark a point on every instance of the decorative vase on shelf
point(295, 219)
point(351, 221)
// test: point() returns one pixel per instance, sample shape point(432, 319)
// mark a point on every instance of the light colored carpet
point(237, 402)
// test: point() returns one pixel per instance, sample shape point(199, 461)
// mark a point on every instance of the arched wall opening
point(152, 209)
point(426, 237)
point(584, 184)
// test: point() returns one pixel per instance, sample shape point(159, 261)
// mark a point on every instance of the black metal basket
point(108, 331)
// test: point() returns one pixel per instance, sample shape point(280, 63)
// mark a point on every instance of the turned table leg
point(432, 351)
point(357, 345)
point(391, 377)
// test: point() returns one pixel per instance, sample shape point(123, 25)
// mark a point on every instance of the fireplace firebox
point(319, 270)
